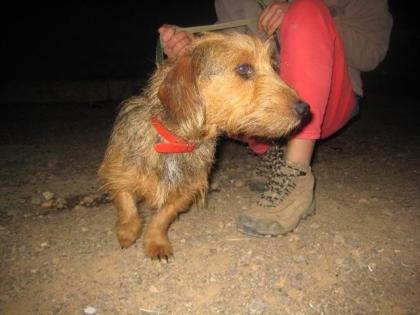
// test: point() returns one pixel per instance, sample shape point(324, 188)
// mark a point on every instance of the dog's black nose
point(301, 108)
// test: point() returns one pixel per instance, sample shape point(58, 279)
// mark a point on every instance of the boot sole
point(307, 213)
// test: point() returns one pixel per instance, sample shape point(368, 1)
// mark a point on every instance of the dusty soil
point(358, 255)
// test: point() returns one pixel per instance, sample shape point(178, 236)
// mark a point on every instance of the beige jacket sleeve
point(231, 10)
point(365, 27)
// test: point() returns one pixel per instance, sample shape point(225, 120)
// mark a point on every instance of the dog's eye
point(245, 70)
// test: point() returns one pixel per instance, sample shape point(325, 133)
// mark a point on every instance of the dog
point(163, 142)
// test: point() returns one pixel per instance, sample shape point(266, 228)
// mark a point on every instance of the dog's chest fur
point(181, 167)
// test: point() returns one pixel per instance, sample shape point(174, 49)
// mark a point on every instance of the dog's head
point(228, 81)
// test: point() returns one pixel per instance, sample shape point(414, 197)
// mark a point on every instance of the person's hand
point(174, 42)
point(272, 16)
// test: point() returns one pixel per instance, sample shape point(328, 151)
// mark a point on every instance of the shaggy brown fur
point(222, 84)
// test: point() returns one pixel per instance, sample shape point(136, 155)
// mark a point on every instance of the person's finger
point(262, 17)
point(267, 16)
point(177, 38)
point(166, 33)
point(181, 46)
point(274, 23)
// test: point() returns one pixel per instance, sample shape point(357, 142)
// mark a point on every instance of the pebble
point(295, 294)
point(315, 226)
point(371, 266)
point(214, 185)
point(153, 289)
point(90, 310)
point(47, 204)
point(48, 195)
point(363, 201)
point(257, 306)
point(279, 284)
point(60, 203)
point(36, 200)
point(87, 200)
point(387, 212)
point(79, 208)
point(299, 276)
point(239, 183)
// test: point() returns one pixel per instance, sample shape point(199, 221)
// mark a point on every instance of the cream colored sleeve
point(365, 27)
point(231, 10)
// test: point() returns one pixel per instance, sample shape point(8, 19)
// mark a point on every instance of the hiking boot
point(288, 199)
point(264, 169)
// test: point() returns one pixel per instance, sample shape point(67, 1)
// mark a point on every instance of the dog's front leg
point(129, 221)
point(156, 242)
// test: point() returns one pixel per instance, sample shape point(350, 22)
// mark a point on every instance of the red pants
point(312, 61)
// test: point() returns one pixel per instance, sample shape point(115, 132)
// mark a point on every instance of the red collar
point(172, 144)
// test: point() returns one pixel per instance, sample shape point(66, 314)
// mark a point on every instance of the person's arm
point(365, 28)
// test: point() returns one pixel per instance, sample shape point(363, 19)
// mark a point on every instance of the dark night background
point(70, 40)
point(116, 40)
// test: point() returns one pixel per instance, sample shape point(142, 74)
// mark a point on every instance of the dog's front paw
point(159, 248)
point(128, 233)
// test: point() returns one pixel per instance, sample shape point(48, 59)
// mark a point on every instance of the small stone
point(87, 200)
point(279, 284)
point(299, 276)
point(90, 310)
point(339, 239)
point(315, 226)
point(153, 289)
point(60, 203)
point(48, 195)
point(371, 266)
point(387, 212)
point(239, 183)
point(363, 201)
point(294, 237)
point(79, 208)
point(257, 306)
point(295, 294)
point(44, 244)
point(188, 304)
point(52, 163)
point(214, 185)
point(47, 204)
point(36, 200)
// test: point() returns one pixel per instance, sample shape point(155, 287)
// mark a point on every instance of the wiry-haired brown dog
point(222, 84)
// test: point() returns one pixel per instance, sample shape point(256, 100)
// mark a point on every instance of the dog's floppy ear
point(180, 96)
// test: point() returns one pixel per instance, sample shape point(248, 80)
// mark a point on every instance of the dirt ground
point(359, 254)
